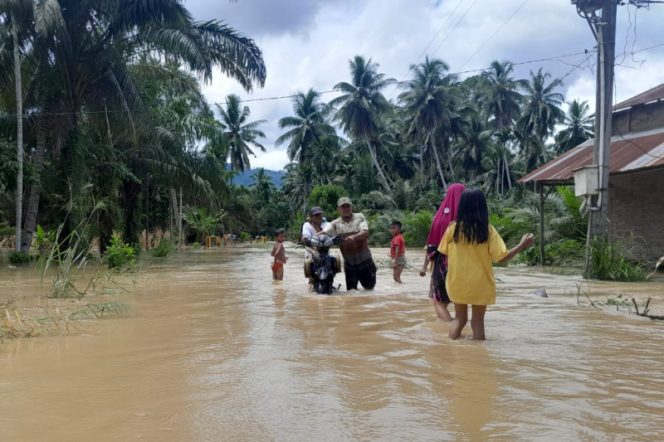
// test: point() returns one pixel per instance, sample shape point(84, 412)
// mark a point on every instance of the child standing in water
point(397, 251)
point(279, 254)
point(472, 245)
point(446, 214)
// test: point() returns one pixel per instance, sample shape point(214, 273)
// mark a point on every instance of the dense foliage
point(115, 120)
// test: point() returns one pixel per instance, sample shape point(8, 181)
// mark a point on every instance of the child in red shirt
point(397, 251)
point(280, 257)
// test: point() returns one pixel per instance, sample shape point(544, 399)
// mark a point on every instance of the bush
point(560, 253)
point(119, 254)
point(609, 261)
point(196, 245)
point(416, 228)
point(164, 248)
point(19, 258)
point(326, 196)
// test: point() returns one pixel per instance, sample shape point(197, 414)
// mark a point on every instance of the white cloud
point(310, 45)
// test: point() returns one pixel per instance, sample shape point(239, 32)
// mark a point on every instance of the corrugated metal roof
point(654, 94)
point(639, 150)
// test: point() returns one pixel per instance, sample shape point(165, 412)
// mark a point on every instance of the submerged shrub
point(164, 248)
point(119, 254)
point(18, 258)
point(609, 261)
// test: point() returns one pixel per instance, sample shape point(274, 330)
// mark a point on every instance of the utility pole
point(603, 27)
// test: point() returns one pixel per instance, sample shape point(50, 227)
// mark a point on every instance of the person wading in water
point(354, 230)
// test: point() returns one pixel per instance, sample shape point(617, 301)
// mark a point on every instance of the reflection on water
point(216, 350)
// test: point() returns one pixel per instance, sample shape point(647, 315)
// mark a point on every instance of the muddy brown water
point(215, 350)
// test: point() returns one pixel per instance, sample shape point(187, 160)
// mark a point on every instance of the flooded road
point(216, 350)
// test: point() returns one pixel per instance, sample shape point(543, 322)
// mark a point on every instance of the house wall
point(639, 118)
point(636, 210)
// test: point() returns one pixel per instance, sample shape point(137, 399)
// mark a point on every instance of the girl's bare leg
point(460, 320)
point(477, 322)
point(441, 311)
point(396, 273)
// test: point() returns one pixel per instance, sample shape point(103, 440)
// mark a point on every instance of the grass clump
point(19, 258)
point(610, 262)
point(164, 248)
point(120, 255)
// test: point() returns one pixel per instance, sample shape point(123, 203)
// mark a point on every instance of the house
point(636, 182)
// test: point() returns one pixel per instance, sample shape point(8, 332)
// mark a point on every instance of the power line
point(453, 28)
point(282, 97)
point(516, 11)
point(449, 17)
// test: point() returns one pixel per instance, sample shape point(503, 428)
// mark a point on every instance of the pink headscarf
point(447, 213)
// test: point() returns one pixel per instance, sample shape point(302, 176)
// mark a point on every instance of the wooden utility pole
point(19, 135)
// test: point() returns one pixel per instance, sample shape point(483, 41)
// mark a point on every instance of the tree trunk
point(507, 171)
point(176, 213)
point(374, 158)
point(438, 166)
point(449, 160)
point(35, 193)
point(19, 137)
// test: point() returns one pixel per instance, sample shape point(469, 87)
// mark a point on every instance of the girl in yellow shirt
point(472, 245)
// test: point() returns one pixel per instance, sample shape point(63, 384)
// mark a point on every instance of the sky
point(308, 44)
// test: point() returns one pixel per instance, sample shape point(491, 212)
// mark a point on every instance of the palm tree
point(430, 101)
point(502, 100)
point(475, 141)
point(262, 186)
point(361, 105)
point(81, 63)
point(579, 127)
point(306, 127)
point(540, 115)
point(240, 133)
point(309, 132)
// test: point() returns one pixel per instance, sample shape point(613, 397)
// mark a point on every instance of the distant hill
point(244, 179)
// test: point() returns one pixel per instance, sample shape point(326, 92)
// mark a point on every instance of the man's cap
point(344, 200)
point(315, 211)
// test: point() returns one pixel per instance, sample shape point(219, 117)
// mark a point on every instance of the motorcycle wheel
point(337, 264)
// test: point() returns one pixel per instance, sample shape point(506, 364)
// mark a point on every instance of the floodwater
point(215, 351)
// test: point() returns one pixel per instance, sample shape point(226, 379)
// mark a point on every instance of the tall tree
point(579, 126)
point(361, 105)
point(540, 115)
point(240, 133)
point(81, 50)
point(502, 100)
point(430, 101)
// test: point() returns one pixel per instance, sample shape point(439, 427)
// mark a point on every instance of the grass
point(610, 262)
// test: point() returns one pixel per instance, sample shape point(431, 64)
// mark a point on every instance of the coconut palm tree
point(502, 99)
point(306, 127)
point(361, 105)
point(430, 101)
point(81, 51)
point(579, 126)
point(240, 134)
point(540, 115)
point(474, 143)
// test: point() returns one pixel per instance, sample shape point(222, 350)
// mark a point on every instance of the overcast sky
point(308, 43)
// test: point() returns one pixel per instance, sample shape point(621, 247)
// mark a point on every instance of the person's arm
point(396, 255)
point(526, 241)
point(362, 234)
point(423, 272)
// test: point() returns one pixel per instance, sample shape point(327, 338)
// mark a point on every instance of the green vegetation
point(19, 258)
point(119, 127)
point(120, 255)
point(164, 248)
point(609, 261)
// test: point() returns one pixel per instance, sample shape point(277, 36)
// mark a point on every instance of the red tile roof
point(640, 150)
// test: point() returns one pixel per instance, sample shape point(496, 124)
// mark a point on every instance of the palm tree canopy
point(308, 126)
point(241, 135)
point(362, 100)
point(579, 126)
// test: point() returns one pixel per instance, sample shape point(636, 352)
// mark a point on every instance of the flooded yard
point(215, 350)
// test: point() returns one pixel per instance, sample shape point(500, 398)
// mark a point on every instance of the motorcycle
point(322, 267)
